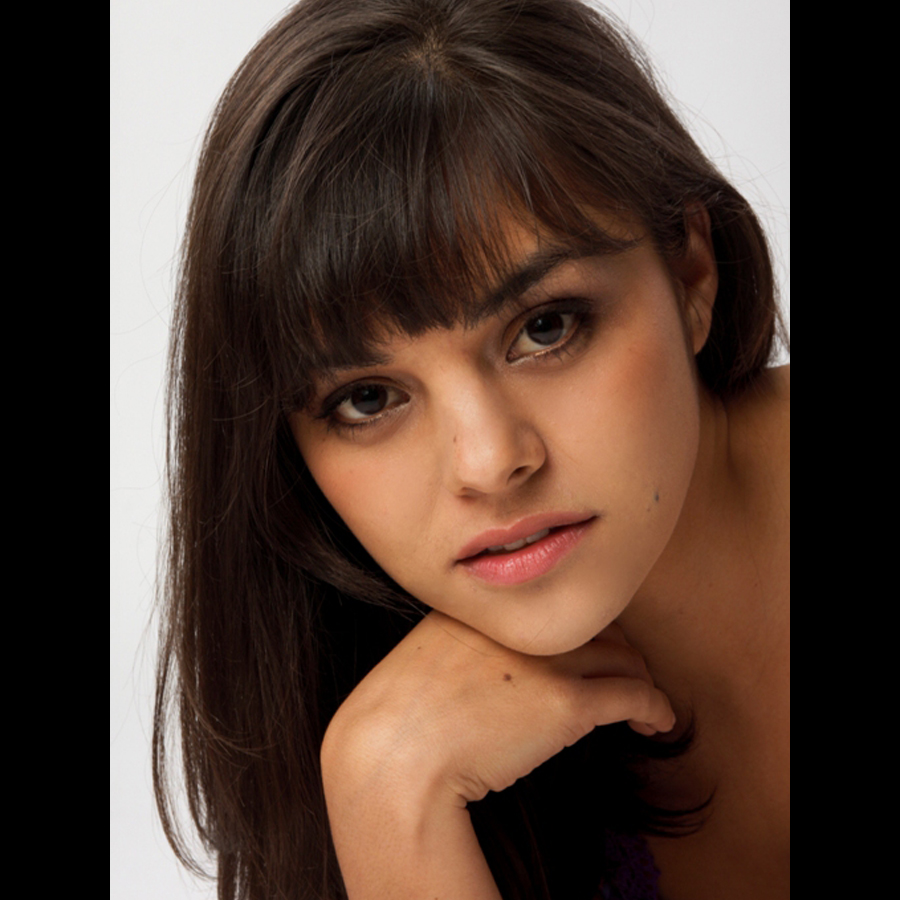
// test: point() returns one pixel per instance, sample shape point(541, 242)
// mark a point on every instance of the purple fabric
point(632, 872)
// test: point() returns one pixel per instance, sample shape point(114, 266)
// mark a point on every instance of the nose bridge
point(490, 443)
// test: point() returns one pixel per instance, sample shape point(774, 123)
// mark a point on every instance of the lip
point(495, 537)
point(532, 560)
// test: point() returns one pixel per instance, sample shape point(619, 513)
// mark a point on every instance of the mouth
point(517, 545)
point(527, 557)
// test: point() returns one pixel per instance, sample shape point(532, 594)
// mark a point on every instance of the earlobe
point(698, 274)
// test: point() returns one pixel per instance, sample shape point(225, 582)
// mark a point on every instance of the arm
point(447, 716)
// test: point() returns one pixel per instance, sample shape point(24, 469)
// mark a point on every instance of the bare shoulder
point(760, 439)
point(775, 396)
point(761, 416)
point(778, 390)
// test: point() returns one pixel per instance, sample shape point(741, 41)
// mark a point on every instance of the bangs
point(398, 219)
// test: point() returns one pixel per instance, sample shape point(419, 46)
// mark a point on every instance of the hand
point(449, 714)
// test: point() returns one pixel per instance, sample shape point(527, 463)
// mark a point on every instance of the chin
point(549, 641)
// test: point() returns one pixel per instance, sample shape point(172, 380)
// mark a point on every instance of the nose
point(491, 443)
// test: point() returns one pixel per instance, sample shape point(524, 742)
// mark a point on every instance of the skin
point(685, 566)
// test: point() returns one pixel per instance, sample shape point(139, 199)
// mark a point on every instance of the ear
point(697, 276)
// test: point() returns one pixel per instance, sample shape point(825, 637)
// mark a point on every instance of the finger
point(629, 700)
point(641, 728)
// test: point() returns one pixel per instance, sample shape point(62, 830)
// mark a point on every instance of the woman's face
point(575, 410)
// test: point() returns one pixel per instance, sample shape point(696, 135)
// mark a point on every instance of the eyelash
point(580, 329)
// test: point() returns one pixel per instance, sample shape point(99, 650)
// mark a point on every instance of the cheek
point(340, 477)
point(638, 424)
point(372, 491)
point(357, 493)
point(635, 406)
point(661, 407)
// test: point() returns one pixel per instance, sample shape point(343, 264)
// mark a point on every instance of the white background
point(727, 62)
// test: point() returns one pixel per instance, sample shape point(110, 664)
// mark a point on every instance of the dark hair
point(354, 179)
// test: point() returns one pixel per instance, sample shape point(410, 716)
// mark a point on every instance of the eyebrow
point(535, 269)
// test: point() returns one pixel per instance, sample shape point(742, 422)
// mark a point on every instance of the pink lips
point(530, 561)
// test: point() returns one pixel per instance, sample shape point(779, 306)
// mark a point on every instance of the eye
point(548, 331)
point(363, 403)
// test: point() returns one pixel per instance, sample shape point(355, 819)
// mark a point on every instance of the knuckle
point(631, 699)
point(647, 701)
point(565, 700)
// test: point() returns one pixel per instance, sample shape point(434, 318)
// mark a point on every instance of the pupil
point(546, 329)
point(369, 400)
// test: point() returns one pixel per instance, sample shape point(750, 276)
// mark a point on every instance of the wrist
point(391, 849)
point(399, 831)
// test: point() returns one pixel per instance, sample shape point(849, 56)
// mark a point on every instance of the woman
point(470, 328)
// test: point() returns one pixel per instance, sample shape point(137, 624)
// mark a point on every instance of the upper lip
point(495, 537)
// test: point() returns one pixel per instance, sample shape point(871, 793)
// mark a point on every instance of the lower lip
point(532, 561)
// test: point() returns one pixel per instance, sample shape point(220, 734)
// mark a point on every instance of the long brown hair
point(353, 179)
